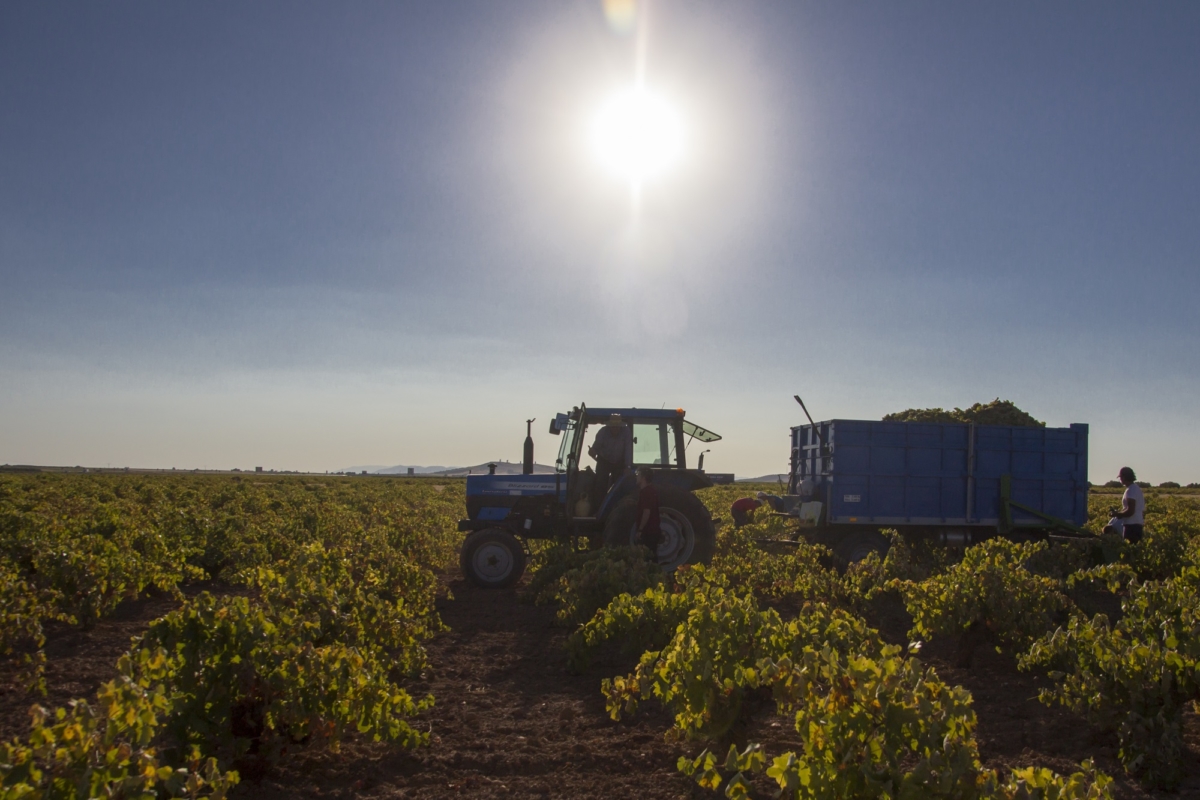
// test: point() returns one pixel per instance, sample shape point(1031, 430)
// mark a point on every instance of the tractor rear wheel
point(688, 535)
point(492, 558)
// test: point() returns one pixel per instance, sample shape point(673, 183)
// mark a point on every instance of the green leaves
point(990, 594)
point(106, 750)
point(596, 578)
point(309, 657)
point(1134, 678)
point(877, 726)
point(717, 650)
point(701, 673)
point(805, 573)
point(704, 769)
point(997, 412)
point(638, 622)
point(339, 599)
point(874, 720)
point(874, 725)
point(1039, 783)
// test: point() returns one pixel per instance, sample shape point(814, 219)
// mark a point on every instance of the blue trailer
point(960, 483)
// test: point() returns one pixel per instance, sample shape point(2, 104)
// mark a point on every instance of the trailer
point(958, 483)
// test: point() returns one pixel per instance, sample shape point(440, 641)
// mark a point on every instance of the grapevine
point(990, 595)
point(1135, 677)
point(337, 595)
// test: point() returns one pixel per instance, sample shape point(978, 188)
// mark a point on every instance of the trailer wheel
point(688, 533)
point(857, 546)
point(492, 558)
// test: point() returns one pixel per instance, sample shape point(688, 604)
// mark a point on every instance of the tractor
point(504, 511)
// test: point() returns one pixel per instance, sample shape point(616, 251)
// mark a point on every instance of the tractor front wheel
point(492, 558)
point(688, 535)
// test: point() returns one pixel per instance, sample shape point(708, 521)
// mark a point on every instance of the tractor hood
point(515, 485)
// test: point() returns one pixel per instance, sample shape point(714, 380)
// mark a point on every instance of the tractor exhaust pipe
point(527, 461)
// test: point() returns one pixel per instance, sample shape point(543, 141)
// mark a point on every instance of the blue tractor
point(504, 510)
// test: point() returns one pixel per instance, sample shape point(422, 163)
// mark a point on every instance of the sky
point(311, 235)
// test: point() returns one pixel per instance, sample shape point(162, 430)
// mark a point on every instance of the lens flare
point(621, 14)
point(637, 135)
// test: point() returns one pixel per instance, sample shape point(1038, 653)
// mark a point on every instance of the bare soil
point(511, 721)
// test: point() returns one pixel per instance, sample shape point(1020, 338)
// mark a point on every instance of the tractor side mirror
point(558, 424)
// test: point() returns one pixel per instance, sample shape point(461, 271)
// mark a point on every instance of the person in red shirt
point(649, 527)
point(743, 510)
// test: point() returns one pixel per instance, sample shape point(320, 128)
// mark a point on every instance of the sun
point(637, 135)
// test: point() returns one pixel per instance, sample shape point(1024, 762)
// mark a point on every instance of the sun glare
point(637, 135)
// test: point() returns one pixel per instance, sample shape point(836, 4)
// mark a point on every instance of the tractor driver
point(613, 451)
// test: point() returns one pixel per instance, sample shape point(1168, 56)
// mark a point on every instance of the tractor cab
point(504, 509)
point(660, 441)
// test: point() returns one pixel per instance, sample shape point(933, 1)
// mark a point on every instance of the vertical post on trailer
point(793, 483)
point(970, 472)
point(1005, 521)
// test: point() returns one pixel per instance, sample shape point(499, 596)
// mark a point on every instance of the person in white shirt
point(1132, 512)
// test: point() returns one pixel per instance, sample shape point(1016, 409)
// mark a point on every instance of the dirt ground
point(511, 721)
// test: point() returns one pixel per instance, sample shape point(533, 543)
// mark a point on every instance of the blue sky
point(306, 235)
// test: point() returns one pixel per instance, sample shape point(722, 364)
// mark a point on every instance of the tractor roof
point(599, 415)
point(602, 414)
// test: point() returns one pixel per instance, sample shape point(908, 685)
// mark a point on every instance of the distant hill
point(502, 468)
point(775, 478)
point(399, 469)
point(402, 469)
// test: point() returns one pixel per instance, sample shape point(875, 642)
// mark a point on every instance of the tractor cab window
point(653, 444)
point(566, 450)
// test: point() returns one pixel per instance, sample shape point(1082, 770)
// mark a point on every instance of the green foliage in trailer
point(997, 412)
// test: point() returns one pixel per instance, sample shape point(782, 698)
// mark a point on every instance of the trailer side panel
point(932, 474)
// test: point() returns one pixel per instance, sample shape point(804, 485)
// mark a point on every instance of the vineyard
point(207, 636)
